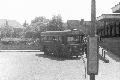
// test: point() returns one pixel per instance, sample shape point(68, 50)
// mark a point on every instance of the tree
point(39, 24)
point(25, 24)
point(6, 30)
point(55, 24)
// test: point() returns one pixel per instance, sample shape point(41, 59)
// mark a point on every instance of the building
point(80, 25)
point(110, 23)
point(116, 8)
point(73, 24)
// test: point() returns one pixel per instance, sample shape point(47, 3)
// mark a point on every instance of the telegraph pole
point(93, 18)
point(92, 47)
point(93, 30)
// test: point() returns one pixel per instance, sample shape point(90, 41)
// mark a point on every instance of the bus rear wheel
point(45, 49)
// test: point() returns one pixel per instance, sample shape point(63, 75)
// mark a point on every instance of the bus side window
point(47, 37)
point(50, 38)
point(76, 38)
point(60, 39)
point(53, 38)
point(43, 38)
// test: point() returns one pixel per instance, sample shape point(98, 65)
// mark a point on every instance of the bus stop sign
point(92, 55)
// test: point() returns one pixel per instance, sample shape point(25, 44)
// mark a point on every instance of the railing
point(102, 55)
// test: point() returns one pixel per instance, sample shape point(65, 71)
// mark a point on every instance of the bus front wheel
point(45, 49)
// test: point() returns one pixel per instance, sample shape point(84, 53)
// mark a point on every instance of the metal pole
point(92, 77)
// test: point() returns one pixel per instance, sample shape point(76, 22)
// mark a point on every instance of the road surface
point(36, 66)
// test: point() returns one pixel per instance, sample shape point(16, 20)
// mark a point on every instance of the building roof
point(116, 8)
point(108, 17)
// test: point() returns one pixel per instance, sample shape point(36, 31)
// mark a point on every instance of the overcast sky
point(22, 10)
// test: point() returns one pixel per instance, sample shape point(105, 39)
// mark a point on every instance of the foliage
point(55, 24)
point(9, 32)
point(25, 24)
point(39, 24)
point(6, 31)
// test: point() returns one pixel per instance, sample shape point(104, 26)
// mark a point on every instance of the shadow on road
point(57, 58)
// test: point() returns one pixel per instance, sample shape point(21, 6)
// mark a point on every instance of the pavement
point(111, 70)
point(112, 45)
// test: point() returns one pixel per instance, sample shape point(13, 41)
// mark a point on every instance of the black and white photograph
point(59, 39)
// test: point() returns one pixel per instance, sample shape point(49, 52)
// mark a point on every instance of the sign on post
point(92, 55)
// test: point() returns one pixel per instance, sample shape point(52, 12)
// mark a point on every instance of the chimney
point(82, 21)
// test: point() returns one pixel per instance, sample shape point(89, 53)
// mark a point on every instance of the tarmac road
point(36, 66)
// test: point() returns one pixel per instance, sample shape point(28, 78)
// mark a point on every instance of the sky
point(21, 10)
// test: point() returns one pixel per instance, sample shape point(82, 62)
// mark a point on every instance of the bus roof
point(61, 33)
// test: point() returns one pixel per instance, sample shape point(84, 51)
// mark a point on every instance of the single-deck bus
point(63, 43)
